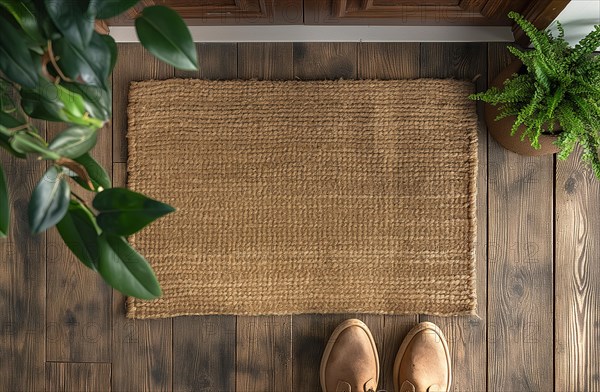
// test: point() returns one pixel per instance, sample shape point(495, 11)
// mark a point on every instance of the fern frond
point(590, 153)
point(525, 57)
point(587, 45)
point(554, 101)
point(561, 30)
point(538, 38)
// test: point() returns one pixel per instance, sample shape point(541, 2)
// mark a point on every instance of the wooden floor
point(62, 329)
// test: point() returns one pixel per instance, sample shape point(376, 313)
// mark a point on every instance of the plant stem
point(5, 132)
point(41, 150)
point(79, 198)
point(85, 204)
point(19, 128)
point(55, 64)
point(37, 136)
point(35, 147)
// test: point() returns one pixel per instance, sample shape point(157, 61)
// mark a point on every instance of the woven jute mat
point(306, 197)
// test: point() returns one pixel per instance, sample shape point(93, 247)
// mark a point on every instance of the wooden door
point(228, 12)
point(427, 12)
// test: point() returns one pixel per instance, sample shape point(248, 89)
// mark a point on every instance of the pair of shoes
point(350, 362)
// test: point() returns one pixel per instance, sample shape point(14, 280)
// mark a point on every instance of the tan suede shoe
point(350, 362)
point(423, 361)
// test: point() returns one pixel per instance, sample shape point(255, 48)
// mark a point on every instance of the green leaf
point(108, 8)
point(164, 34)
point(96, 100)
point(74, 141)
point(7, 94)
point(97, 174)
point(49, 201)
point(90, 65)
point(48, 101)
point(4, 206)
point(9, 121)
point(24, 13)
point(124, 212)
point(44, 102)
point(80, 233)
point(73, 104)
point(74, 19)
point(16, 60)
point(125, 269)
point(48, 28)
point(6, 123)
point(112, 47)
point(25, 142)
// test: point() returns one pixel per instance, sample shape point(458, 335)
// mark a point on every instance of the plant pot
point(500, 130)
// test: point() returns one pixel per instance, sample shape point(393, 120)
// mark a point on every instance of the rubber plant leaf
point(75, 141)
point(44, 102)
point(124, 212)
point(96, 100)
point(49, 201)
point(90, 65)
point(80, 233)
point(76, 171)
point(48, 101)
point(114, 51)
point(125, 269)
point(25, 14)
point(16, 61)
point(6, 123)
point(98, 176)
point(22, 142)
point(164, 34)
point(108, 8)
point(74, 19)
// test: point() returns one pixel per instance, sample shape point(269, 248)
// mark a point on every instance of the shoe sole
point(409, 337)
point(336, 333)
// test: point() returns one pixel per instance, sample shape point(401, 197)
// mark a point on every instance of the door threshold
point(311, 33)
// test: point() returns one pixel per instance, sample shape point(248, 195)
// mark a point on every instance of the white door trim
point(309, 33)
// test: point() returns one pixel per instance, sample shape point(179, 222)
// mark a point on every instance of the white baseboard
point(307, 33)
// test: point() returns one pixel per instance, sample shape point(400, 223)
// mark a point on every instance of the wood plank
point(264, 353)
point(204, 353)
point(265, 61)
point(264, 344)
point(466, 334)
point(310, 332)
point(217, 61)
point(390, 61)
point(520, 276)
point(22, 283)
point(325, 60)
point(134, 63)
point(204, 347)
point(80, 377)
point(454, 60)
point(142, 349)
point(577, 279)
point(395, 329)
point(79, 316)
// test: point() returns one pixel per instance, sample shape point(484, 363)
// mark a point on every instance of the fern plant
point(558, 95)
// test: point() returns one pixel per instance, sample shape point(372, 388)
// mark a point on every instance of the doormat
point(306, 197)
